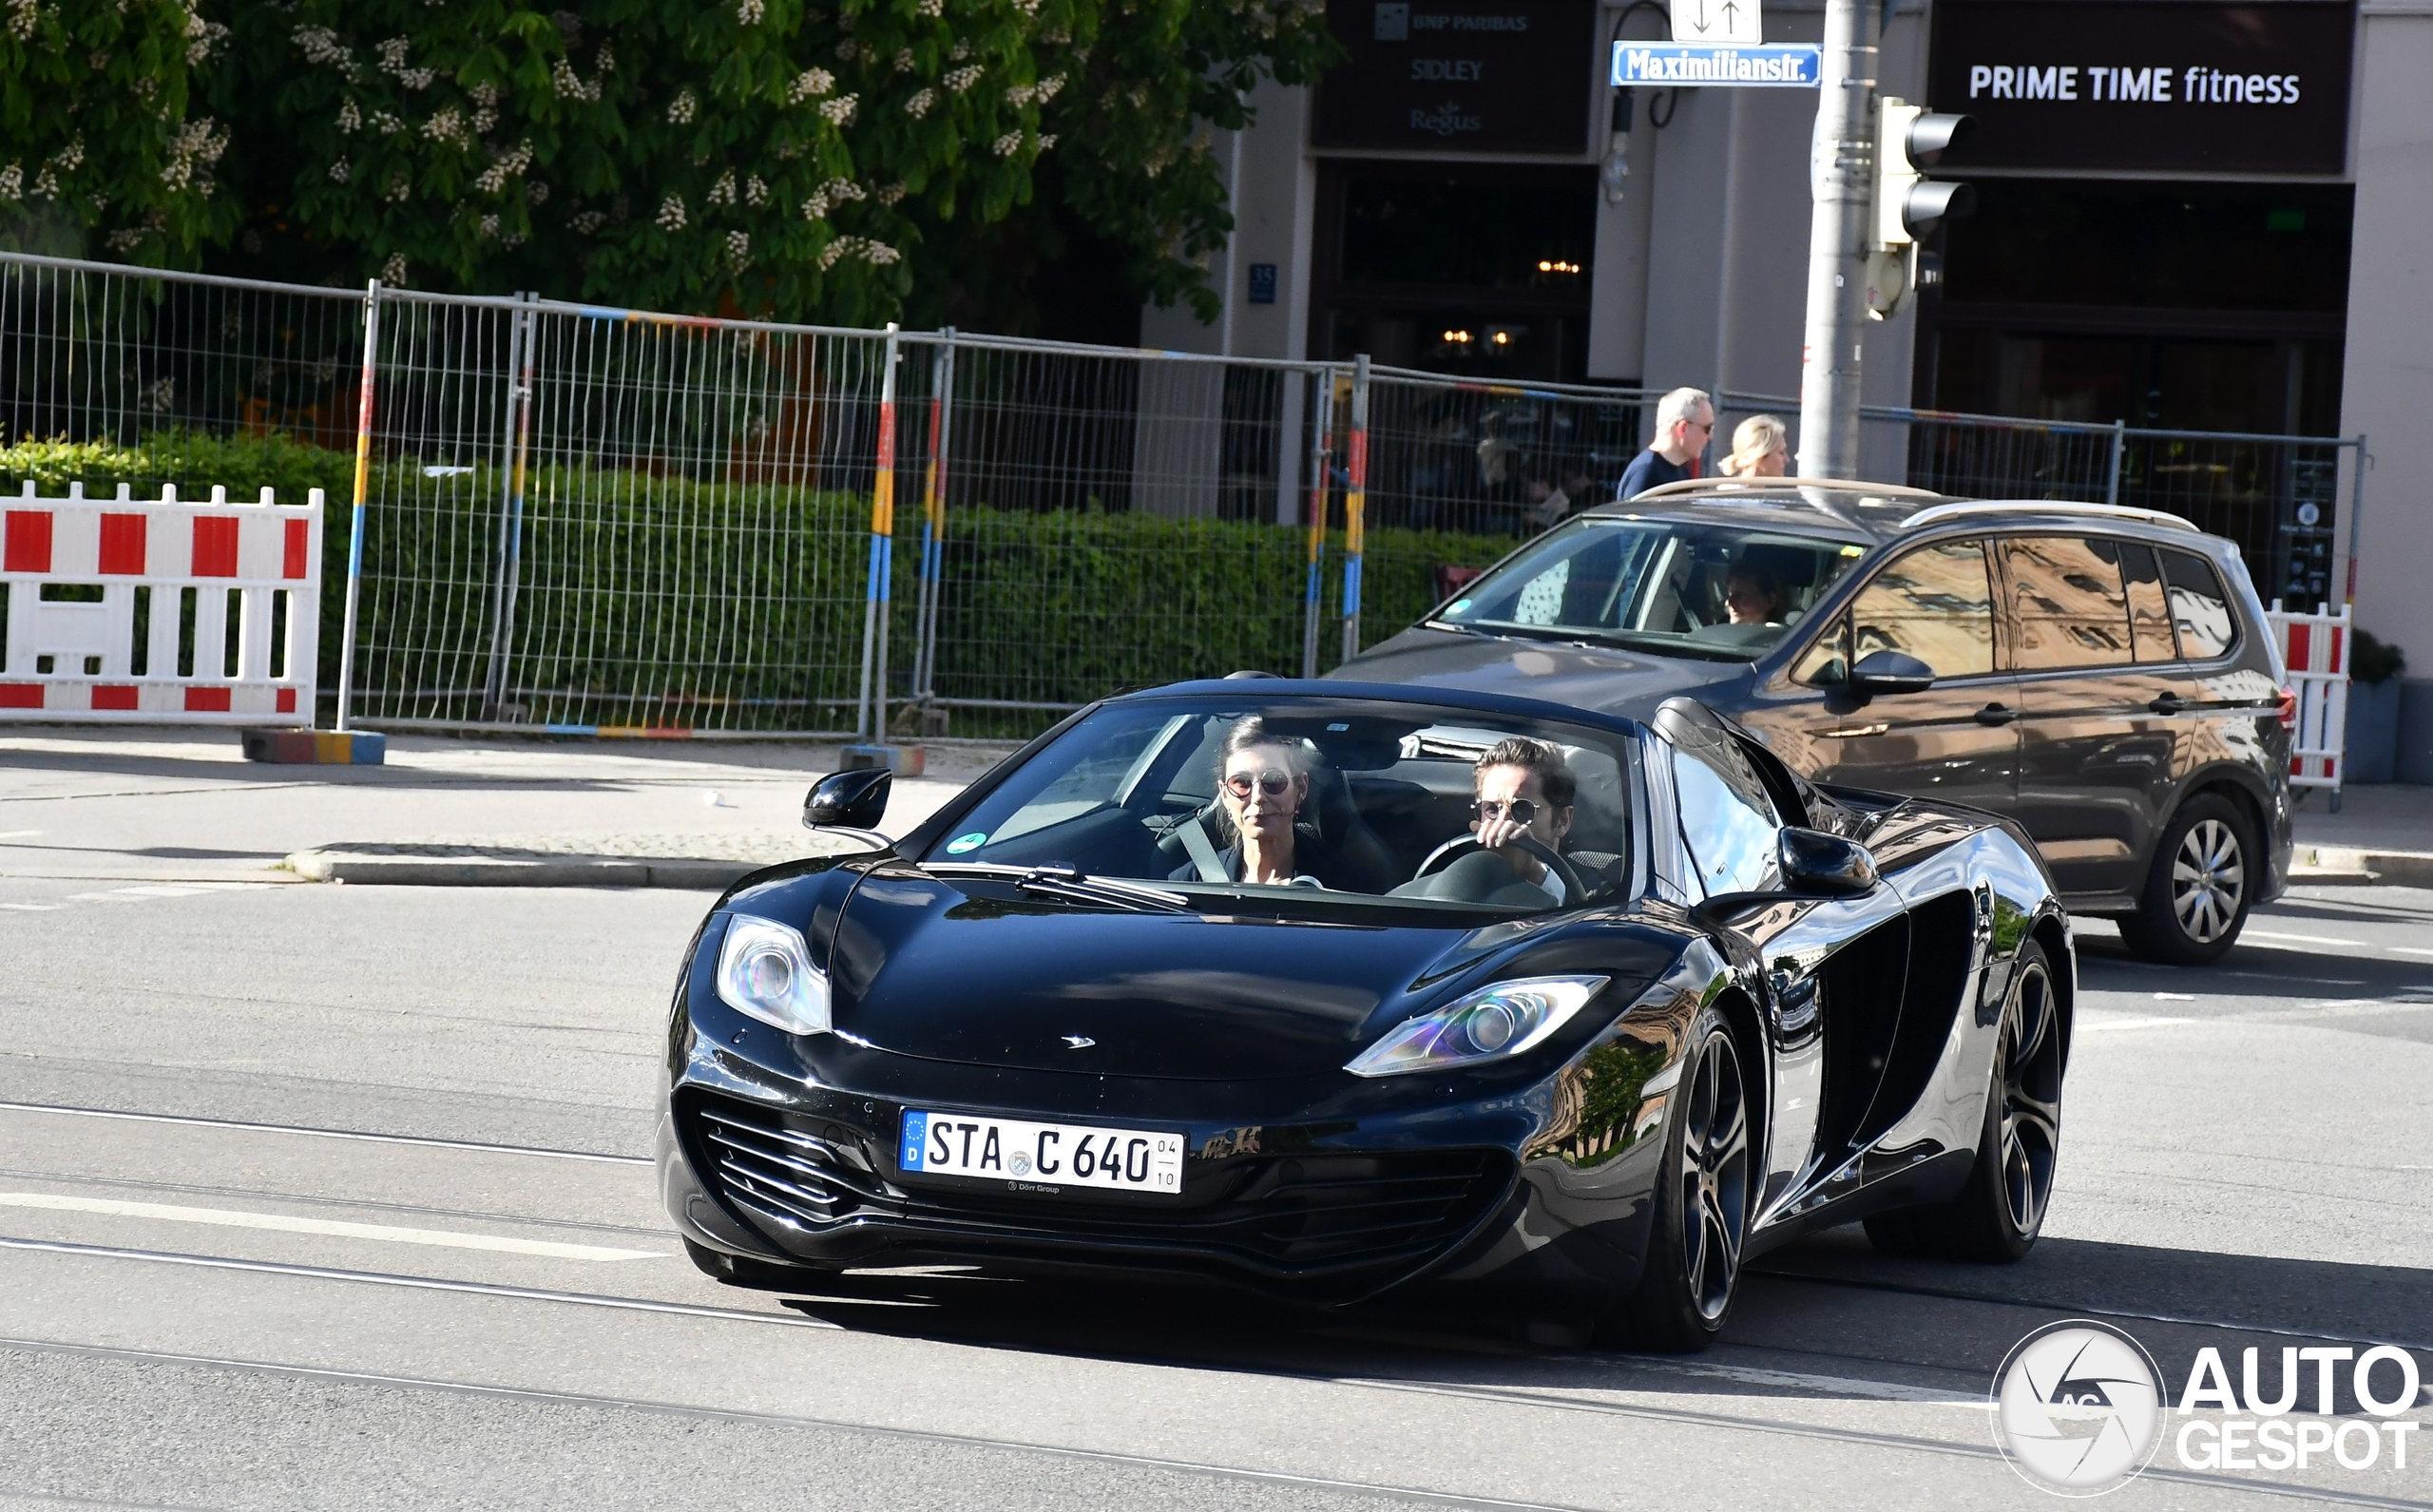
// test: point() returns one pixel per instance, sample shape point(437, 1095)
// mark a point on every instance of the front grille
point(777, 1172)
point(1297, 1215)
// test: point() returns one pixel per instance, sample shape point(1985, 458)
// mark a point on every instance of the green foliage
point(654, 600)
point(753, 156)
point(94, 130)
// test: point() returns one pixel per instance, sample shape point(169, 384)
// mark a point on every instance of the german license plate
point(1040, 1156)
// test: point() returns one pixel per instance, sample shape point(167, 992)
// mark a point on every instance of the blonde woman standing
point(1760, 449)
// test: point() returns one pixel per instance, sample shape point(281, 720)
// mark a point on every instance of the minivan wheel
point(2204, 876)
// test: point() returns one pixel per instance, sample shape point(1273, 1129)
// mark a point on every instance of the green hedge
point(662, 600)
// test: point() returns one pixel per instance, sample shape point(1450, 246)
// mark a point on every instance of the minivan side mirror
point(850, 800)
point(1821, 865)
point(1891, 672)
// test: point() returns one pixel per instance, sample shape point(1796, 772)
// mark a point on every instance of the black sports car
point(1331, 989)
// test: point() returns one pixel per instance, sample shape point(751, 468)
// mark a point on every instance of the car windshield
point(1720, 591)
point(1306, 805)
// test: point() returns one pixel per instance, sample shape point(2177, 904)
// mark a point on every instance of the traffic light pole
point(1842, 173)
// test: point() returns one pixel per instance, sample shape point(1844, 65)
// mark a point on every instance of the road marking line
point(156, 893)
point(18, 834)
point(2409, 949)
point(324, 1134)
point(333, 1228)
point(2175, 997)
point(32, 907)
point(2299, 939)
point(2094, 1026)
point(413, 1283)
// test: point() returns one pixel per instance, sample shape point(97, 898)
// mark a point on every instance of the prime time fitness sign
point(2146, 85)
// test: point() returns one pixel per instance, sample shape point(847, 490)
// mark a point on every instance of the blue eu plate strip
point(916, 1139)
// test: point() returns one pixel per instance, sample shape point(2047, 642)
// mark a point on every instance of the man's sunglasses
point(1520, 810)
point(1271, 782)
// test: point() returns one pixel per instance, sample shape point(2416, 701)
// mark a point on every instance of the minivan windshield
point(1306, 804)
point(1689, 588)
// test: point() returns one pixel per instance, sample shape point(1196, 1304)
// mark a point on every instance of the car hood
point(918, 968)
point(1604, 679)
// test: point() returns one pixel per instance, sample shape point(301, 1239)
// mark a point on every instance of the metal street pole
point(1842, 175)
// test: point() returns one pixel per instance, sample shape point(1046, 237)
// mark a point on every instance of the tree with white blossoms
point(97, 145)
point(750, 156)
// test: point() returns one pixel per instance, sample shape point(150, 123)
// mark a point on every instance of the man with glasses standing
point(1684, 421)
point(1523, 788)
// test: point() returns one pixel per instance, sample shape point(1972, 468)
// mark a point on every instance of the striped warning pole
point(1355, 504)
point(871, 721)
point(1321, 450)
point(362, 488)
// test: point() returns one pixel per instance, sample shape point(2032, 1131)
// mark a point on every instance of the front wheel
point(1999, 1214)
point(2197, 893)
point(1702, 1201)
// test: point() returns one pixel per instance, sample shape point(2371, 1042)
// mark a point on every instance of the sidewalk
point(2384, 832)
point(186, 806)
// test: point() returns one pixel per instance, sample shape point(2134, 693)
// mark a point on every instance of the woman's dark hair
point(1252, 730)
point(1554, 774)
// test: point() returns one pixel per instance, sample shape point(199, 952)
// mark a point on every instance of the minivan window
point(1935, 603)
point(2199, 609)
point(2149, 610)
point(2068, 603)
point(1722, 591)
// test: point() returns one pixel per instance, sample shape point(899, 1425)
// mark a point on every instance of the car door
point(1955, 739)
point(2104, 701)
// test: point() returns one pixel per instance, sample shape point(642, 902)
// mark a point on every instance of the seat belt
point(1196, 844)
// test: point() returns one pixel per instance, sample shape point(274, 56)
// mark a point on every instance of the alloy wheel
point(2030, 1087)
point(1714, 1176)
point(2208, 881)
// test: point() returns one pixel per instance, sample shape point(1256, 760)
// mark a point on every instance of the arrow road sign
point(1717, 23)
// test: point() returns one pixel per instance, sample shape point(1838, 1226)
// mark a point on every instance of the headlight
point(765, 971)
point(1501, 1021)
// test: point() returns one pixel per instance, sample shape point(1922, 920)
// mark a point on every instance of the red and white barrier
point(72, 656)
point(2315, 649)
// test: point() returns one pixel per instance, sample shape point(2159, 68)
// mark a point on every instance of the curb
point(2349, 866)
point(517, 871)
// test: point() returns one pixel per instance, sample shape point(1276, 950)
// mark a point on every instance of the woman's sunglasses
point(1520, 810)
point(1271, 782)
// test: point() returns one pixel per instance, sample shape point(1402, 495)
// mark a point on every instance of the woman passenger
point(1261, 780)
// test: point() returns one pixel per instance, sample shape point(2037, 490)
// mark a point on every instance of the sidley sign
point(2151, 86)
point(1460, 75)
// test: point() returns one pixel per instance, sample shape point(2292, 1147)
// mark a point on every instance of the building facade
point(2192, 214)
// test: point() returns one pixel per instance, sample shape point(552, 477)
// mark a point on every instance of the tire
point(2200, 885)
point(1998, 1214)
point(735, 1270)
point(1702, 1201)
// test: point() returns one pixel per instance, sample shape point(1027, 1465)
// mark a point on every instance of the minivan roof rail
point(1964, 507)
point(1729, 486)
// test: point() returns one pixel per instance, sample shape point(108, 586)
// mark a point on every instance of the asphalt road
point(318, 1197)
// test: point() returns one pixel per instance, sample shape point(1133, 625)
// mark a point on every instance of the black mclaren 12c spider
point(1329, 989)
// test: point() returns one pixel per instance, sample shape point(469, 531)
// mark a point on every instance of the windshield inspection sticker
point(961, 843)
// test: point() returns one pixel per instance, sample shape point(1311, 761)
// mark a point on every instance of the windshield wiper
point(1072, 884)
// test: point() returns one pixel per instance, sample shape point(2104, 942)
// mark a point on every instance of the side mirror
point(1891, 672)
point(1821, 865)
point(850, 800)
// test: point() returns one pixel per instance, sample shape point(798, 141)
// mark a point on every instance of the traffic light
point(1907, 203)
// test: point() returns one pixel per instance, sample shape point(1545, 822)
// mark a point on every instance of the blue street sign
point(1775, 65)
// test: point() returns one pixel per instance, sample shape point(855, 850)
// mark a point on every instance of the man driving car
point(1522, 788)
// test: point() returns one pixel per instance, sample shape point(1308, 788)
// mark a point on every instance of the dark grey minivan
point(2103, 675)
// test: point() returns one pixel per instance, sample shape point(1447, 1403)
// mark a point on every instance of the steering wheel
point(1575, 888)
